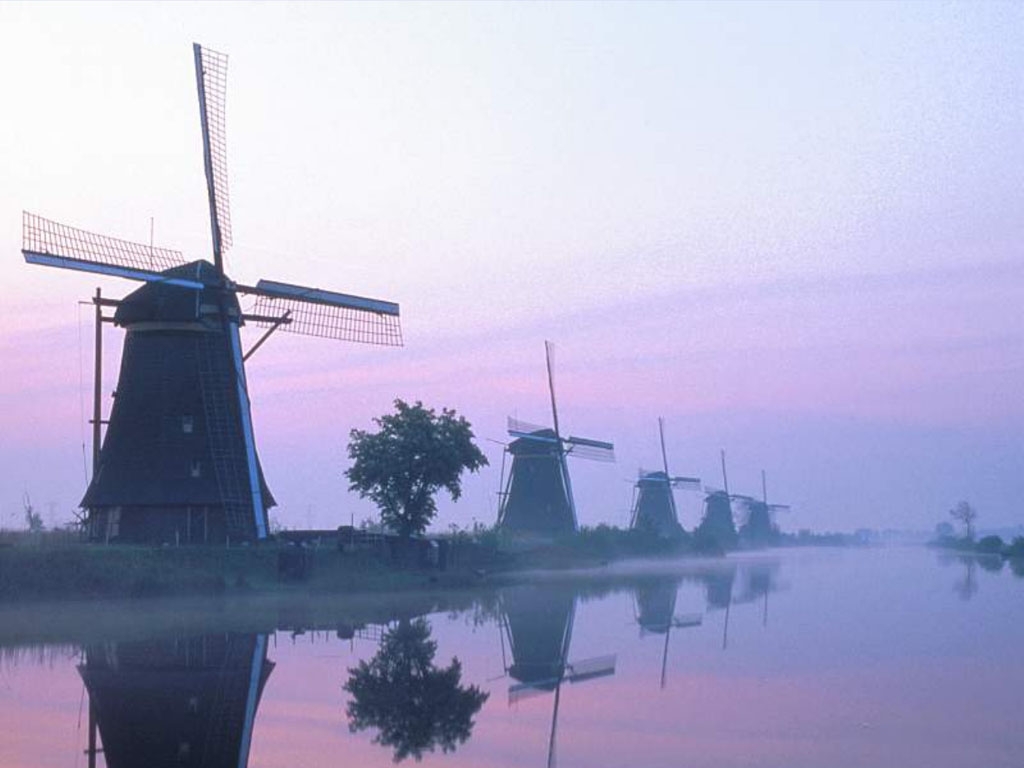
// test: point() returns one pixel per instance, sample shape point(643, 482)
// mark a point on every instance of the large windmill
point(538, 496)
point(178, 461)
point(654, 506)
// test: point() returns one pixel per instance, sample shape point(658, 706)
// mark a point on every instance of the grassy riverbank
point(48, 567)
point(57, 568)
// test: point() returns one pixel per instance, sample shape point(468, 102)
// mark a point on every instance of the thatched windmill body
point(538, 497)
point(179, 462)
point(654, 505)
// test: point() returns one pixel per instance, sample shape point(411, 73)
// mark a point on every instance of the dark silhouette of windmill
point(178, 461)
point(654, 505)
point(717, 527)
point(538, 496)
point(656, 613)
point(538, 622)
point(758, 527)
point(186, 702)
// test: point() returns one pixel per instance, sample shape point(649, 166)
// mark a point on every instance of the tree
point(414, 705)
point(965, 514)
point(414, 454)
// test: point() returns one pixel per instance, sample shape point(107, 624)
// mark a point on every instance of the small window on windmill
point(187, 424)
point(196, 469)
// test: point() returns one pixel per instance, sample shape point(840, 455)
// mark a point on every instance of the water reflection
point(538, 623)
point(656, 613)
point(384, 678)
point(413, 705)
point(179, 702)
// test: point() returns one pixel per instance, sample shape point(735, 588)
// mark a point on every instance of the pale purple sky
point(793, 230)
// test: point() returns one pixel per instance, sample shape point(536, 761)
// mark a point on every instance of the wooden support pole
point(97, 386)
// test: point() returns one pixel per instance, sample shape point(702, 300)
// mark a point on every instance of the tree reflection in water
point(414, 705)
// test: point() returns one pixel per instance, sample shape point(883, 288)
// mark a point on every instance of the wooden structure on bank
point(178, 462)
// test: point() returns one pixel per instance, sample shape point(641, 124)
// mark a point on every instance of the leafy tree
point(414, 705)
point(965, 514)
point(414, 454)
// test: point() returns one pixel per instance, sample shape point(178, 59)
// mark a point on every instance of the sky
point(790, 229)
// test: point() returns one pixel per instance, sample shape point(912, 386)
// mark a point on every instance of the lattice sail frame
point(214, 74)
point(310, 318)
point(50, 238)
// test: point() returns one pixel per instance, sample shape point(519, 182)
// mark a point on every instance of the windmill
point(717, 527)
point(538, 622)
point(758, 526)
point(538, 494)
point(178, 461)
point(656, 613)
point(654, 506)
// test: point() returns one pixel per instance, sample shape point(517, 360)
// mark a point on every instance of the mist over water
point(874, 657)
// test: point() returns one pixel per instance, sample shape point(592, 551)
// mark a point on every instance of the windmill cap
point(157, 302)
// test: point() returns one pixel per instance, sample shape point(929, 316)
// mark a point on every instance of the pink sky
point(791, 230)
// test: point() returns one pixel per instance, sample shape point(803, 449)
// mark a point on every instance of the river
point(870, 657)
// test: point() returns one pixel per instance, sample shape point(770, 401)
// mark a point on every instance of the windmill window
point(196, 469)
point(187, 424)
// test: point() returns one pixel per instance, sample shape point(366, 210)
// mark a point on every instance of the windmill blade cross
point(316, 312)
point(689, 483)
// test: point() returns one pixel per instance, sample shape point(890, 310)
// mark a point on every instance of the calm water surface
point(884, 657)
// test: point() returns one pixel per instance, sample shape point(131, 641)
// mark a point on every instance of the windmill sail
point(211, 85)
point(51, 244)
point(316, 312)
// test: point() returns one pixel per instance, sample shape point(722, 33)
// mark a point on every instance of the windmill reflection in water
point(185, 701)
point(537, 623)
point(655, 612)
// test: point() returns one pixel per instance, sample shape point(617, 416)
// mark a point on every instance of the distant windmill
point(538, 622)
point(538, 496)
point(758, 526)
point(654, 507)
point(179, 460)
point(717, 525)
point(656, 614)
